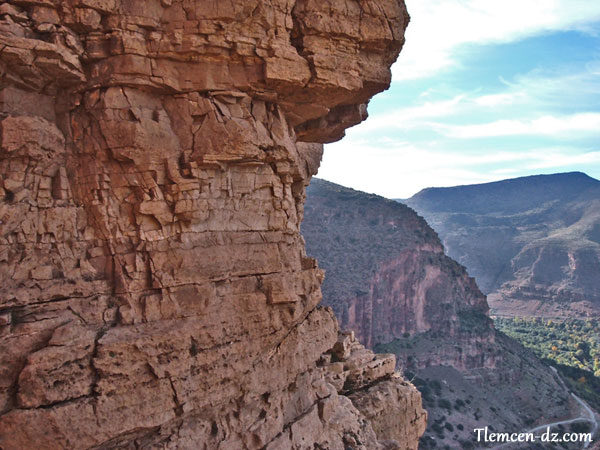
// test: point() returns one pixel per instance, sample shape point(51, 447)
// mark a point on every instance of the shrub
point(438, 429)
point(467, 445)
point(580, 427)
point(445, 403)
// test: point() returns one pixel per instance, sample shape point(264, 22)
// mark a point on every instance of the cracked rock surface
point(154, 287)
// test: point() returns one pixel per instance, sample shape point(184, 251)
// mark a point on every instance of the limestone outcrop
point(376, 390)
point(154, 288)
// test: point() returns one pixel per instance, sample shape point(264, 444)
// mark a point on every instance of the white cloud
point(438, 26)
point(535, 103)
point(542, 126)
point(412, 116)
point(579, 86)
point(553, 159)
point(397, 173)
point(500, 99)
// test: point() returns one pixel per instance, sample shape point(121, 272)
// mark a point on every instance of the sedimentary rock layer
point(154, 289)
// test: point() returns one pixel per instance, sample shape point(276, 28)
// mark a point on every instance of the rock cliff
point(154, 288)
point(387, 277)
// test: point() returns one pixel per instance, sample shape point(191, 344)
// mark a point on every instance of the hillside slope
point(532, 243)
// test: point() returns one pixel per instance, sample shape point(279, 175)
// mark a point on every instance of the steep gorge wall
point(422, 291)
point(387, 278)
point(154, 288)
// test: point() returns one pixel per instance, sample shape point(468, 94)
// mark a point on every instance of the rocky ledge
point(389, 402)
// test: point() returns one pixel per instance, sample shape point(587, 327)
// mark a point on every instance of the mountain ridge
point(533, 242)
point(548, 184)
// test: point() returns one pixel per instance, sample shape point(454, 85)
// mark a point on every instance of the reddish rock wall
point(154, 289)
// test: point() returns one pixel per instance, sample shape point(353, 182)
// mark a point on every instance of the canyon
point(388, 279)
point(154, 287)
point(387, 275)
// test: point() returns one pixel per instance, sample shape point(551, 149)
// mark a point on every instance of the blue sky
point(483, 90)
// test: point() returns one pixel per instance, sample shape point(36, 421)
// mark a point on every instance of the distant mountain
point(532, 243)
point(388, 280)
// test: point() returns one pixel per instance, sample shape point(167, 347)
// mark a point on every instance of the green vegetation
point(572, 346)
point(446, 404)
point(574, 343)
point(582, 382)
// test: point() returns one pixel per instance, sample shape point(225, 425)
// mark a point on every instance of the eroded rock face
point(154, 289)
